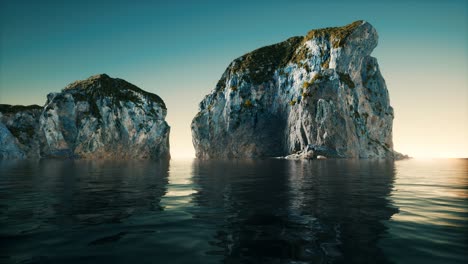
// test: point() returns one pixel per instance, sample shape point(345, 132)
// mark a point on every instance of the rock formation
point(320, 94)
point(100, 117)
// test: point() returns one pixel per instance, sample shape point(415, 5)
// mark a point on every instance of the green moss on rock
point(337, 35)
point(301, 55)
point(317, 77)
point(13, 109)
point(119, 90)
point(326, 63)
point(259, 65)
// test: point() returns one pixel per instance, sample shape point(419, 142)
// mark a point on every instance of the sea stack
point(316, 95)
point(100, 117)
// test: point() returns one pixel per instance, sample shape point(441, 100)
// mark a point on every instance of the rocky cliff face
point(321, 94)
point(18, 131)
point(100, 117)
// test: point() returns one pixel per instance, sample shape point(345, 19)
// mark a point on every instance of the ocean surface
point(264, 211)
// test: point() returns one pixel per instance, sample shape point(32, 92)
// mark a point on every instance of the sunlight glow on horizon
point(182, 153)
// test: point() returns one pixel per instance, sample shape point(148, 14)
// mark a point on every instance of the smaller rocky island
point(100, 117)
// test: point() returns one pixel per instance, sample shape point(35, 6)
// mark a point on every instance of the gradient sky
point(179, 49)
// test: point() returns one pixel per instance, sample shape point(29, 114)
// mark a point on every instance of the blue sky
point(179, 49)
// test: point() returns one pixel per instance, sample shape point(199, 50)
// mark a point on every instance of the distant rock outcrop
point(100, 117)
point(317, 95)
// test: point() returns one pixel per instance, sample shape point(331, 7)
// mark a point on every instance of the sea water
point(241, 211)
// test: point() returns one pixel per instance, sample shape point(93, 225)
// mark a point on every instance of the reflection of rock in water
point(349, 199)
point(278, 210)
point(84, 192)
point(113, 190)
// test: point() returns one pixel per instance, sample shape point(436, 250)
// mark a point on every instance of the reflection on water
point(81, 192)
point(432, 226)
point(297, 210)
point(266, 211)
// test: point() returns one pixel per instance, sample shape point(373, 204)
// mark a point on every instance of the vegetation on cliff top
point(12, 109)
point(118, 89)
point(337, 35)
point(259, 65)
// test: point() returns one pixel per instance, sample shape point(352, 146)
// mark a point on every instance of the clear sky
point(179, 49)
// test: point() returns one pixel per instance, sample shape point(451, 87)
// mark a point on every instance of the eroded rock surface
point(321, 93)
point(100, 117)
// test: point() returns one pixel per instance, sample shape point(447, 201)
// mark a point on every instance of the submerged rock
point(321, 94)
point(100, 117)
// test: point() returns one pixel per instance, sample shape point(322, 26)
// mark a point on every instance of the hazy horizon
point(179, 50)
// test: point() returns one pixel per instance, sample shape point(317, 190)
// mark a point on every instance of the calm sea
point(266, 211)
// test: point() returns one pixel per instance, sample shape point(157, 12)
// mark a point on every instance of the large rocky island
point(316, 95)
point(100, 117)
